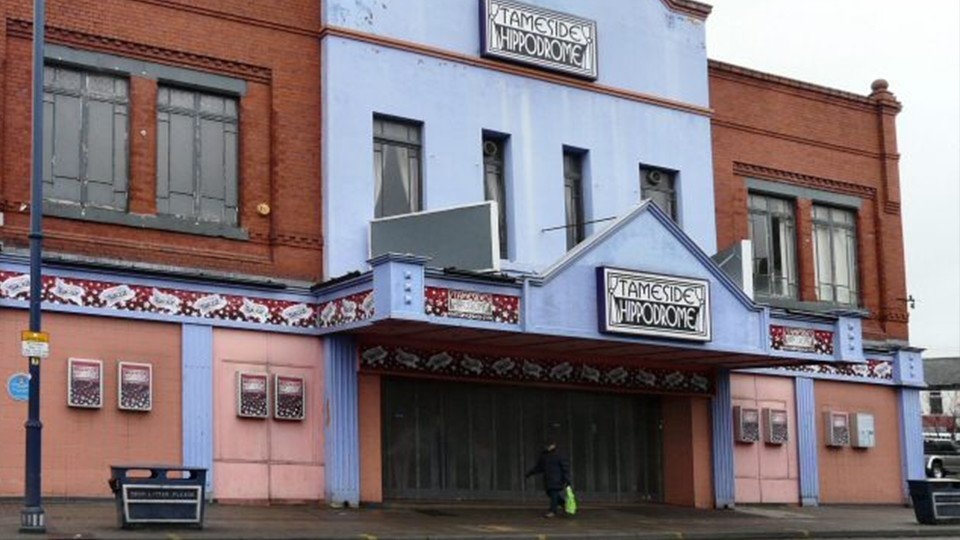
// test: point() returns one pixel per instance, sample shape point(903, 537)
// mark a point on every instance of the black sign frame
point(606, 326)
point(587, 70)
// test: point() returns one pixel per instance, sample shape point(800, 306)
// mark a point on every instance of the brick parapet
point(276, 52)
point(803, 135)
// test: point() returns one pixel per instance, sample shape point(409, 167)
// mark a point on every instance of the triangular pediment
point(650, 265)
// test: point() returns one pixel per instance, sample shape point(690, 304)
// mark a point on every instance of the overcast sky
point(847, 44)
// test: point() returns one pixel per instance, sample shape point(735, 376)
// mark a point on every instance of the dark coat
point(554, 468)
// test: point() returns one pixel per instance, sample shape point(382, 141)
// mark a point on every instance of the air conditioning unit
point(746, 424)
point(836, 426)
point(775, 426)
point(862, 430)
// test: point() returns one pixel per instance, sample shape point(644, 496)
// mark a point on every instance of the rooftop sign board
point(644, 304)
point(539, 37)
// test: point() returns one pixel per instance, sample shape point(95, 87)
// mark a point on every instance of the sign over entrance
point(539, 37)
point(653, 305)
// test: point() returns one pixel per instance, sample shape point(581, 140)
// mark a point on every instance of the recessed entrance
point(447, 440)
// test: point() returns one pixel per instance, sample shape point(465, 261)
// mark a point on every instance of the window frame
point(573, 197)
point(496, 164)
point(118, 147)
point(792, 264)
point(414, 200)
point(230, 214)
point(835, 228)
point(938, 396)
point(667, 186)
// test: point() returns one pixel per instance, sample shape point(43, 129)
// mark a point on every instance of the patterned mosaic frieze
point(796, 339)
point(390, 359)
point(873, 369)
point(346, 309)
point(478, 306)
point(165, 301)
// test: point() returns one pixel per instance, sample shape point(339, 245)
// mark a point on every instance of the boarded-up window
point(85, 138)
point(196, 155)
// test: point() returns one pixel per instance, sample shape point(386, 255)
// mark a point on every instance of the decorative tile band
point(873, 369)
point(346, 309)
point(390, 359)
point(795, 339)
point(145, 299)
point(478, 306)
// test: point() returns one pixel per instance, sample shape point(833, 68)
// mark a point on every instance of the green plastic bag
point(570, 501)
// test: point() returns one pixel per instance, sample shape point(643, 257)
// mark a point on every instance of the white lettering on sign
point(653, 304)
point(136, 375)
point(253, 310)
point(540, 37)
point(86, 372)
point(254, 384)
point(117, 295)
point(289, 386)
point(210, 303)
point(68, 292)
point(296, 313)
point(799, 339)
point(16, 285)
point(165, 301)
point(471, 305)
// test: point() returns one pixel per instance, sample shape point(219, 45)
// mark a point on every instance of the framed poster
point(84, 383)
point(252, 395)
point(134, 386)
point(288, 397)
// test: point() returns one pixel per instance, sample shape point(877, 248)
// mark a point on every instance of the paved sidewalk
point(79, 520)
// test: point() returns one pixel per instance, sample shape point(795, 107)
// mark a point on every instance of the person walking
point(556, 476)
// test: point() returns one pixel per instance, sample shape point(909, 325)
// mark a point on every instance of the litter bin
point(936, 500)
point(159, 494)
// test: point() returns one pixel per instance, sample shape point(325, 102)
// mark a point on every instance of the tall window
point(494, 183)
point(85, 138)
point(835, 253)
point(773, 234)
point(658, 185)
point(196, 155)
point(573, 196)
point(396, 164)
point(936, 402)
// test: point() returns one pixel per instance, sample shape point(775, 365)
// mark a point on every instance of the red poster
point(85, 383)
point(252, 395)
point(135, 386)
point(288, 395)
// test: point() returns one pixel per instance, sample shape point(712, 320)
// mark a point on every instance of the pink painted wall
point(687, 465)
point(267, 460)
point(371, 465)
point(766, 473)
point(853, 475)
point(100, 437)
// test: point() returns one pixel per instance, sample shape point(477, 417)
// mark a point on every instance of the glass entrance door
point(444, 440)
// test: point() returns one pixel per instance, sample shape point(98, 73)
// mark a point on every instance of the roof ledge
point(697, 10)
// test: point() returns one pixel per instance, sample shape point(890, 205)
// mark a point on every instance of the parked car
point(941, 458)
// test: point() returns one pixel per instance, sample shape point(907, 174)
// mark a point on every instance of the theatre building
point(444, 233)
point(535, 217)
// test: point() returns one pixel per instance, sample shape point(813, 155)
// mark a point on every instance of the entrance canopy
point(639, 293)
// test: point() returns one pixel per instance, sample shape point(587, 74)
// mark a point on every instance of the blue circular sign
point(18, 386)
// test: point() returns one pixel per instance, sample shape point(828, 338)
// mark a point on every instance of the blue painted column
point(341, 427)
point(724, 488)
point(807, 442)
point(908, 372)
point(197, 398)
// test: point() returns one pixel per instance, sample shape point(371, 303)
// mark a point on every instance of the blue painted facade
point(456, 102)
point(419, 60)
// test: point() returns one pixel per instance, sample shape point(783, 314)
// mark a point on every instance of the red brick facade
point(273, 47)
point(797, 134)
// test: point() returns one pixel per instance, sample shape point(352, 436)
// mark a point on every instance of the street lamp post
point(32, 515)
